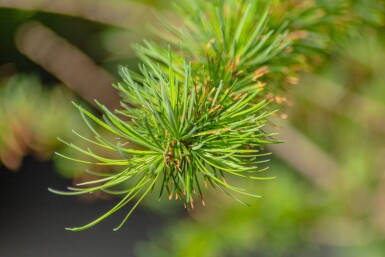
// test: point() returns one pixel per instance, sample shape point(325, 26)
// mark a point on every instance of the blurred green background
point(328, 198)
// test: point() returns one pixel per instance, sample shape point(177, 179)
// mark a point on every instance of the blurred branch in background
point(32, 117)
point(67, 63)
point(362, 110)
point(27, 128)
point(306, 157)
point(379, 197)
point(118, 13)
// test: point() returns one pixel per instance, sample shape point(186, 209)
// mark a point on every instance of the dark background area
point(32, 219)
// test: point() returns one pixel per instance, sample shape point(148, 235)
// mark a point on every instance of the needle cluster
point(195, 112)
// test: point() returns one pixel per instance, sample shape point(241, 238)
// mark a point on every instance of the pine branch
point(190, 134)
point(198, 106)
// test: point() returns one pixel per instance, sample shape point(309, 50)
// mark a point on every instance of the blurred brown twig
point(67, 63)
point(118, 13)
point(306, 157)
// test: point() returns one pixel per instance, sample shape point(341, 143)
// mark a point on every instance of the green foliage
point(343, 116)
point(232, 39)
point(258, 41)
point(196, 110)
point(189, 134)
